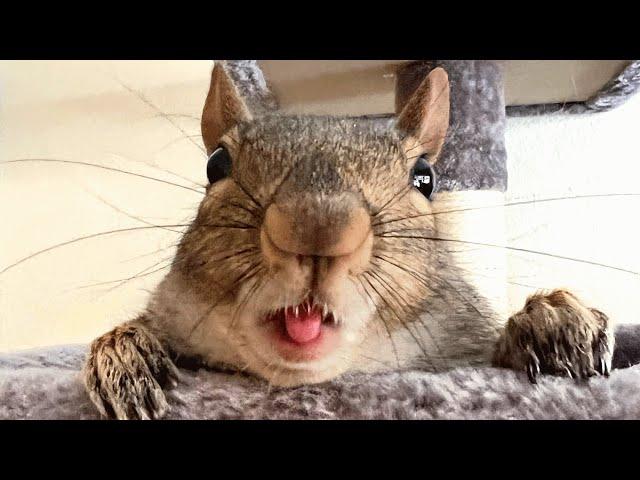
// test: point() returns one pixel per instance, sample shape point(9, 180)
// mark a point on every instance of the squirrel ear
point(223, 107)
point(424, 120)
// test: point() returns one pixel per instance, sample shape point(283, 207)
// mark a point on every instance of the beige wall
point(81, 111)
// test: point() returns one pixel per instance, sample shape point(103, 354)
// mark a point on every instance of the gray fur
point(45, 384)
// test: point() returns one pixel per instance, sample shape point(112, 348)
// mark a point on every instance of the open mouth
point(302, 332)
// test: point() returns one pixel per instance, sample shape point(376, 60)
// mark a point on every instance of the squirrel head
point(307, 238)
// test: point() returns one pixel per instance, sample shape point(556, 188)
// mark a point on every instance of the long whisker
point(244, 190)
point(253, 213)
point(252, 292)
point(161, 249)
point(404, 267)
point(234, 223)
point(172, 262)
point(177, 115)
point(393, 200)
point(149, 103)
point(418, 145)
point(423, 281)
point(387, 286)
point(517, 249)
point(451, 131)
point(509, 204)
point(384, 322)
point(103, 167)
point(79, 239)
point(251, 250)
point(121, 281)
point(507, 279)
point(155, 166)
point(247, 274)
point(112, 232)
point(468, 302)
point(176, 140)
point(135, 277)
point(393, 310)
point(377, 360)
point(510, 282)
point(127, 214)
point(407, 269)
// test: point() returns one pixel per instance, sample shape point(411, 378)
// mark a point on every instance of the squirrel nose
point(314, 226)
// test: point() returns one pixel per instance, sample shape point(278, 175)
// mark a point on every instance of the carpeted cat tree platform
point(471, 171)
point(45, 384)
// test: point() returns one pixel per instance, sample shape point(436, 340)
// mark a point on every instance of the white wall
point(568, 155)
point(78, 111)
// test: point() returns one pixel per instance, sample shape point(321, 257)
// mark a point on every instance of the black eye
point(423, 177)
point(219, 165)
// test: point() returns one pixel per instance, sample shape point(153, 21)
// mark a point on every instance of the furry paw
point(125, 372)
point(556, 334)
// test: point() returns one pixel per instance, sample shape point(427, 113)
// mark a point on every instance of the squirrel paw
point(125, 372)
point(556, 334)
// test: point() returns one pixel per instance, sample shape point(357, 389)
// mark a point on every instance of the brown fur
point(223, 108)
point(556, 333)
point(425, 117)
point(125, 372)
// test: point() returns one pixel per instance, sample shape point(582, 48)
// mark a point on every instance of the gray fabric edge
point(252, 85)
point(613, 94)
point(45, 383)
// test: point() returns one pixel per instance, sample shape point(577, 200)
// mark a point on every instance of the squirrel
point(315, 252)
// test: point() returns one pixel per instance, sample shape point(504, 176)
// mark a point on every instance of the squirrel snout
point(312, 226)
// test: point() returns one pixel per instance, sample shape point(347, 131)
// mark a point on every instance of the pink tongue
point(305, 326)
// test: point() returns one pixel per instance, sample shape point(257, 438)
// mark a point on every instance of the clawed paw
point(125, 372)
point(556, 334)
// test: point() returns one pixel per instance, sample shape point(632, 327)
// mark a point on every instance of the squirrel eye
point(218, 165)
point(423, 177)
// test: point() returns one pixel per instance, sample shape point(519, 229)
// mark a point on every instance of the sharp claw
point(121, 414)
point(586, 373)
point(604, 357)
point(599, 367)
point(99, 403)
point(533, 372)
point(173, 375)
point(143, 413)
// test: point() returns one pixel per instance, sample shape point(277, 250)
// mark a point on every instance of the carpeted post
point(471, 170)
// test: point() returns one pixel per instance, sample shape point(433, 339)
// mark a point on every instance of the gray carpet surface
point(45, 384)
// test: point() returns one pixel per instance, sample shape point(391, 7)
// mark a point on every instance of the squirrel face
point(305, 248)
